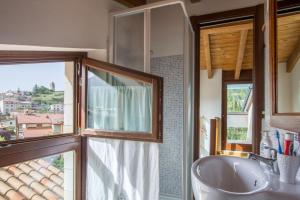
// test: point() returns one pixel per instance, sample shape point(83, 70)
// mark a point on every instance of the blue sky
point(25, 76)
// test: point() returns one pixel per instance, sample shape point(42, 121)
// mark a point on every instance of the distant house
point(23, 105)
point(57, 108)
point(4, 123)
point(8, 105)
point(37, 106)
point(36, 125)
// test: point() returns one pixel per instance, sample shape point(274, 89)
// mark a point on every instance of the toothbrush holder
point(288, 168)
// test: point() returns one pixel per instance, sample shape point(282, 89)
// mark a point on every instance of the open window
point(121, 103)
point(48, 100)
point(237, 112)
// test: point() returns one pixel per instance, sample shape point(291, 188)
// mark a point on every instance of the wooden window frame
point(157, 115)
point(228, 78)
point(21, 150)
point(257, 14)
point(286, 121)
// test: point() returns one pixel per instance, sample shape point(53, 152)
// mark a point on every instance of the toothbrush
point(278, 140)
point(297, 149)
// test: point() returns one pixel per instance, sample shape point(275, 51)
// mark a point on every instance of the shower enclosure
point(158, 38)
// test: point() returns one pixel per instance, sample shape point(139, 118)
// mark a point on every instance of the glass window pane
point(36, 100)
point(239, 113)
point(118, 103)
point(129, 41)
point(45, 178)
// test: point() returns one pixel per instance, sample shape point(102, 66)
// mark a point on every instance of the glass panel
point(36, 100)
point(129, 41)
point(239, 113)
point(166, 38)
point(45, 178)
point(117, 103)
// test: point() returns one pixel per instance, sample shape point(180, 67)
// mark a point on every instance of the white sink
point(224, 177)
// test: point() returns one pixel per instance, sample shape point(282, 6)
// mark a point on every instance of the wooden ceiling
point(289, 40)
point(228, 47)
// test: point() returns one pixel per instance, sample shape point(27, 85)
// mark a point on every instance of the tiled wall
point(171, 68)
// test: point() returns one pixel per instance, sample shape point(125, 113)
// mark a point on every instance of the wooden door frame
point(257, 14)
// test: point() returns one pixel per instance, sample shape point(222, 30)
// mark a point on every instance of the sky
point(25, 76)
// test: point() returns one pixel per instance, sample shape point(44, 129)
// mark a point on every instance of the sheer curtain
point(250, 123)
point(120, 108)
point(119, 169)
point(122, 170)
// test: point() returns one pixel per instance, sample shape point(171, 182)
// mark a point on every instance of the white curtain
point(122, 170)
point(250, 123)
point(118, 169)
point(120, 108)
point(204, 137)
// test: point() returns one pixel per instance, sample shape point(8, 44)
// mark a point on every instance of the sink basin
point(224, 177)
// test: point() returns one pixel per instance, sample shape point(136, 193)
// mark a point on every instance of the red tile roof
point(36, 180)
point(39, 118)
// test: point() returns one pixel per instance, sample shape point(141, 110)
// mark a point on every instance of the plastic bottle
point(265, 145)
point(288, 144)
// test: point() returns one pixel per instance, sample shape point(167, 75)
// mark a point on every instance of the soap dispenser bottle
point(265, 144)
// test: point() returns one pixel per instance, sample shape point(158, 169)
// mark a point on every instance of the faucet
point(271, 162)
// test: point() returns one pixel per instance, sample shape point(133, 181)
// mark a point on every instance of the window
point(40, 150)
point(237, 111)
point(56, 100)
point(30, 99)
point(122, 103)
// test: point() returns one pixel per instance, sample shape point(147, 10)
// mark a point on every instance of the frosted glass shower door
point(129, 41)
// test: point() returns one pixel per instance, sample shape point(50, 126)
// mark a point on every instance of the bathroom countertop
point(279, 189)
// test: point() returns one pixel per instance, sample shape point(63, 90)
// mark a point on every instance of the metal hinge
point(80, 81)
point(78, 130)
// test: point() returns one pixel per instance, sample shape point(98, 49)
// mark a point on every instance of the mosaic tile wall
point(171, 68)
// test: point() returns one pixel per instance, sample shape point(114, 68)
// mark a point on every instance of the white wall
point(284, 89)
point(210, 106)
point(213, 6)
point(56, 23)
point(288, 88)
point(295, 84)
point(210, 94)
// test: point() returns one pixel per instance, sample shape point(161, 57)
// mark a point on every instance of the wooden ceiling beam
point(228, 28)
point(293, 59)
point(195, 1)
point(241, 52)
point(132, 3)
point(207, 54)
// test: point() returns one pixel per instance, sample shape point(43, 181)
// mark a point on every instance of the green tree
point(2, 139)
point(59, 163)
point(236, 99)
point(35, 89)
